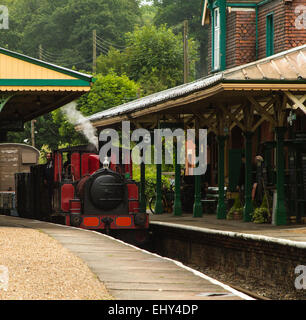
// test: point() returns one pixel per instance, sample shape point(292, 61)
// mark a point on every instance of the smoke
point(75, 117)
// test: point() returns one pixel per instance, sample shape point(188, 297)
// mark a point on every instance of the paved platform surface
point(128, 272)
point(209, 221)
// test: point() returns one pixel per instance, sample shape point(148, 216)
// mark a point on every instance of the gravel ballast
point(40, 268)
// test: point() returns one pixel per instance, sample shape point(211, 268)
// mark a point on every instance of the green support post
point(158, 203)
point(142, 202)
point(221, 212)
point(177, 207)
point(248, 207)
point(280, 210)
point(197, 206)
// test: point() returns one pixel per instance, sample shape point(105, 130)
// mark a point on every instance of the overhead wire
point(111, 44)
point(102, 48)
point(64, 63)
point(102, 45)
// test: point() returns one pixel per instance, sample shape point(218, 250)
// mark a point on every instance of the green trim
point(222, 44)
point(44, 82)
point(263, 2)
point(269, 34)
point(256, 35)
point(241, 5)
point(47, 65)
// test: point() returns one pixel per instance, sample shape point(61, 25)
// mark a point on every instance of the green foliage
point(108, 91)
point(150, 184)
point(64, 27)
point(262, 214)
point(46, 132)
point(173, 13)
point(153, 57)
point(237, 207)
point(148, 14)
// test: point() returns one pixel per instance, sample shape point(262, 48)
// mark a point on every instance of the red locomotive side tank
point(75, 165)
point(133, 197)
point(93, 163)
point(84, 164)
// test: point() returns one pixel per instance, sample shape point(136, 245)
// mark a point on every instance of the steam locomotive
point(90, 195)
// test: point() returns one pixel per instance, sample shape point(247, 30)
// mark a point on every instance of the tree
point(153, 58)
point(64, 27)
point(108, 91)
point(174, 12)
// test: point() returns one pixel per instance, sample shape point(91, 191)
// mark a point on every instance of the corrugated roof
point(286, 66)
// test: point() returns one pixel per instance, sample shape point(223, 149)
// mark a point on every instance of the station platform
point(296, 232)
point(263, 257)
point(130, 273)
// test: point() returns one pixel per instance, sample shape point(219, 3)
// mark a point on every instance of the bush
point(237, 207)
point(150, 184)
point(262, 214)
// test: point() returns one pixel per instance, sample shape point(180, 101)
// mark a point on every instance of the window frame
point(269, 34)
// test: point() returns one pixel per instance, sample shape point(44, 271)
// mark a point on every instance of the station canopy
point(30, 88)
point(257, 82)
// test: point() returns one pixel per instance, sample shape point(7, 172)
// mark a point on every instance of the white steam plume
point(75, 117)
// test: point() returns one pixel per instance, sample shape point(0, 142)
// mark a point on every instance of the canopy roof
point(281, 72)
point(30, 87)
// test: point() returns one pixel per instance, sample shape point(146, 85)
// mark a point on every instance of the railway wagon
point(14, 157)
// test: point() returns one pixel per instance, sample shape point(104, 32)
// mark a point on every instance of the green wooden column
point(197, 206)
point(177, 207)
point(142, 200)
point(280, 210)
point(158, 203)
point(248, 207)
point(221, 212)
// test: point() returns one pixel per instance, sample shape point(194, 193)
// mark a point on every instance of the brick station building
point(242, 31)
point(246, 31)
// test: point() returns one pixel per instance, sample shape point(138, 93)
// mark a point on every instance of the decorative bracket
point(4, 98)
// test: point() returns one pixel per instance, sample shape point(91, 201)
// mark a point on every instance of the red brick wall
point(241, 32)
point(294, 36)
point(278, 9)
point(230, 40)
point(245, 36)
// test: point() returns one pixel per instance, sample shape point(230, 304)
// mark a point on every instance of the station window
point(269, 35)
point(216, 37)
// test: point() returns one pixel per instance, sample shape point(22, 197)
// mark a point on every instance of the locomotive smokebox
point(105, 193)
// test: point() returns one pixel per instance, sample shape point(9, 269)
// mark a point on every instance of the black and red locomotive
point(90, 194)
